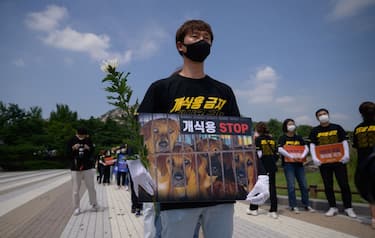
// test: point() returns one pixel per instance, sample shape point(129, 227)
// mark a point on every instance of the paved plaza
point(39, 204)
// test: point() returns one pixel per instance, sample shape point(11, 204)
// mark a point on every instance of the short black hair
point(319, 110)
point(285, 124)
point(367, 110)
point(191, 25)
point(261, 128)
point(82, 131)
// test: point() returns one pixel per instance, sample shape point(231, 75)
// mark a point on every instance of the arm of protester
point(260, 192)
point(284, 153)
point(313, 155)
point(305, 152)
point(141, 177)
point(345, 159)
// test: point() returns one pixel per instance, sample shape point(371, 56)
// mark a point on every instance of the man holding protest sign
point(191, 91)
point(330, 151)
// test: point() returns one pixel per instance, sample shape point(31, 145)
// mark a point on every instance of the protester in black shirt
point(80, 150)
point(107, 167)
point(100, 166)
point(364, 142)
point(294, 169)
point(324, 134)
point(266, 152)
point(191, 91)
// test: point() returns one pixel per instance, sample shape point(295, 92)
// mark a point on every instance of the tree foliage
point(275, 128)
point(63, 114)
point(26, 136)
point(120, 96)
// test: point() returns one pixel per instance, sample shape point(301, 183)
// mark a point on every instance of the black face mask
point(198, 51)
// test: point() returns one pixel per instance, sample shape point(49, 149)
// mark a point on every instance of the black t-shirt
point(80, 159)
point(267, 145)
point(330, 134)
point(181, 95)
point(287, 140)
point(364, 139)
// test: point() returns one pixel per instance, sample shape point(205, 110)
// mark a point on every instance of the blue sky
point(282, 58)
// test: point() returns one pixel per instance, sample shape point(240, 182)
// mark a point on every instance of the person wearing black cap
point(80, 149)
point(364, 142)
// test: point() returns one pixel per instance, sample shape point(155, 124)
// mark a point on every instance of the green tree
point(60, 128)
point(304, 131)
point(22, 133)
point(63, 114)
point(120, 96)
point(10, 114)
point(275, 128)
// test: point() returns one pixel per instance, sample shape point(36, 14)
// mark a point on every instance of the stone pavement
point(35, 208)
point(48, 213)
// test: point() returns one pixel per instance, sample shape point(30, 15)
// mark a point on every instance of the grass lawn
point(314, 178)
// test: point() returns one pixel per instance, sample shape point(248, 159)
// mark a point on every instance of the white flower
point(106, 63)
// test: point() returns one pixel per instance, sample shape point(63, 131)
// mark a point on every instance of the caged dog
point(210, 155)
point(228, 186)
point(210, 151)
point(245, 169)
point(160, 135)
point(182, 167)
point(238, 175)
point(159, 172)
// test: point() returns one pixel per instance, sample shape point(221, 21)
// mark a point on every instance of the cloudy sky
point(282, 58)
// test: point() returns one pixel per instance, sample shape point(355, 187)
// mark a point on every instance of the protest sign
point(199, 158)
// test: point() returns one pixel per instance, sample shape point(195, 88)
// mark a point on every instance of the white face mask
point(291, 128)
point(324, 118)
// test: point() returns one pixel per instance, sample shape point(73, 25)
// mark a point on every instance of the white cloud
point(47, 20)
point(266, 74)
point(148, 42)
point(147, 48)
point(19, 62)
point(263, 88)
point(126, 57)
point(348, 8)
point(285, 100)
point(95, 45)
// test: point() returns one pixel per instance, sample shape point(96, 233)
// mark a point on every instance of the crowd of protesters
point(111, 167)
point(326, 133)
point(193, 42)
